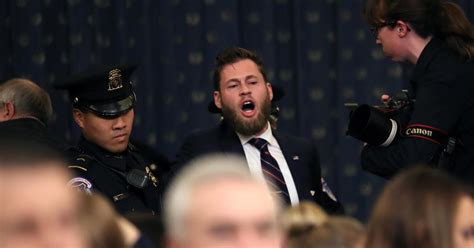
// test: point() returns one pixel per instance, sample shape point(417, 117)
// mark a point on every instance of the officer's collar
point(116, 160)
point(83, 142)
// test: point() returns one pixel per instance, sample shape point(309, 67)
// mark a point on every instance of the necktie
point(270, 169)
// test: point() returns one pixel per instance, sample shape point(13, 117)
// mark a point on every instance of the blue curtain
point(319, 51)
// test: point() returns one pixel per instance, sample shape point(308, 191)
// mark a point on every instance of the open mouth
point(248, 106)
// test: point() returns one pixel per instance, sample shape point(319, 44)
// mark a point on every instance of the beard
point(244, 126)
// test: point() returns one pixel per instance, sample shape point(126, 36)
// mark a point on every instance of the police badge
point(115, 80)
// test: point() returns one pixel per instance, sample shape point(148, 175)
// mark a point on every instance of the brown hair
point(307, 225)
point(416, 209)
point(303, 216)
point(100, 222)
point(232, 55)
point(443, 19)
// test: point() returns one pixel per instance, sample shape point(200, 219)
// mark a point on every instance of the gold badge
point(115, 80)
point(151, 176)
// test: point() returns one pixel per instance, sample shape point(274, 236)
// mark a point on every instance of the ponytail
point(456, 30)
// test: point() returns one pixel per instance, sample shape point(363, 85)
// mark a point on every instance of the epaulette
point(79, 160)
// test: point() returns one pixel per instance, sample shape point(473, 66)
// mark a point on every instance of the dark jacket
point(442, 85)
point(300, 154)
point(33, 130)
point(104, 172)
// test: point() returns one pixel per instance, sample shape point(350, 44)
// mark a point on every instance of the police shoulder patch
point(80, 184)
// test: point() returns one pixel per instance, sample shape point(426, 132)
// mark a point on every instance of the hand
point(386, 99)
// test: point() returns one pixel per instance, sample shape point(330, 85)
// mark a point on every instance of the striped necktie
point(271, 170)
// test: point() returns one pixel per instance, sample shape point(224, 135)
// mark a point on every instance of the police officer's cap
point(103, 90)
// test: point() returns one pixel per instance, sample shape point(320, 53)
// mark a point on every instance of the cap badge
point(115, 80)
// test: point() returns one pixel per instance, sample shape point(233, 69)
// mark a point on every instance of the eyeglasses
point(375, 29)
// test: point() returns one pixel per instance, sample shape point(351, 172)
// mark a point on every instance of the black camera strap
point(426, 132)
point(448, 143)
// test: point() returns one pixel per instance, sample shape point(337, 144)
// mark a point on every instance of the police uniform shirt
point(104, 172)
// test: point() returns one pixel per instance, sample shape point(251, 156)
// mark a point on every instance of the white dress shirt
point(252, 155)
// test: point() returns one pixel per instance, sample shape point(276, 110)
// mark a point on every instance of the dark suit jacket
point(300, 154)
point(32, 130)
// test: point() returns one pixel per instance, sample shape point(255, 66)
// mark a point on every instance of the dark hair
point(100, 222)
point(443, 19)
point(416, 209)
point(233, 55)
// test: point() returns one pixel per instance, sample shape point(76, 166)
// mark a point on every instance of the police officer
point(103, 103)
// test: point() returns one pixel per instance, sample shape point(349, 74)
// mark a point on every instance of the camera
point(379, 124)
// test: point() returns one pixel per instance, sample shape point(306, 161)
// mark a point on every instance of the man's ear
point(217, 99)
point(7, 112)
point(270, 90)
point(78, 117)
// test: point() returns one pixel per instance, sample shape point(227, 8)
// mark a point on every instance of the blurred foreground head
point(307, 225)
point(37, 209)
point(100, 222)
point(422, 207)
point(215, 202)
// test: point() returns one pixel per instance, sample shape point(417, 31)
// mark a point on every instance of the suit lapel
point(291, 156)
point(295, 162)
point(229, 141)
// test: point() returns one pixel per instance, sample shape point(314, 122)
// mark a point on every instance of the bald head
point(21, 98)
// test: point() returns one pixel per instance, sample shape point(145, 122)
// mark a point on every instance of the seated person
point(243, 94)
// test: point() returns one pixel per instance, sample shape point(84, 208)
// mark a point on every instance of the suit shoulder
point(198, 143)
point(202, 137)
point(201, 133)
point(294, 139)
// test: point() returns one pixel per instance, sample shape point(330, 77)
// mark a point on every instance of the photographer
point(438, 129)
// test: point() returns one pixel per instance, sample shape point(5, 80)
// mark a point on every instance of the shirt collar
point(267, 135)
